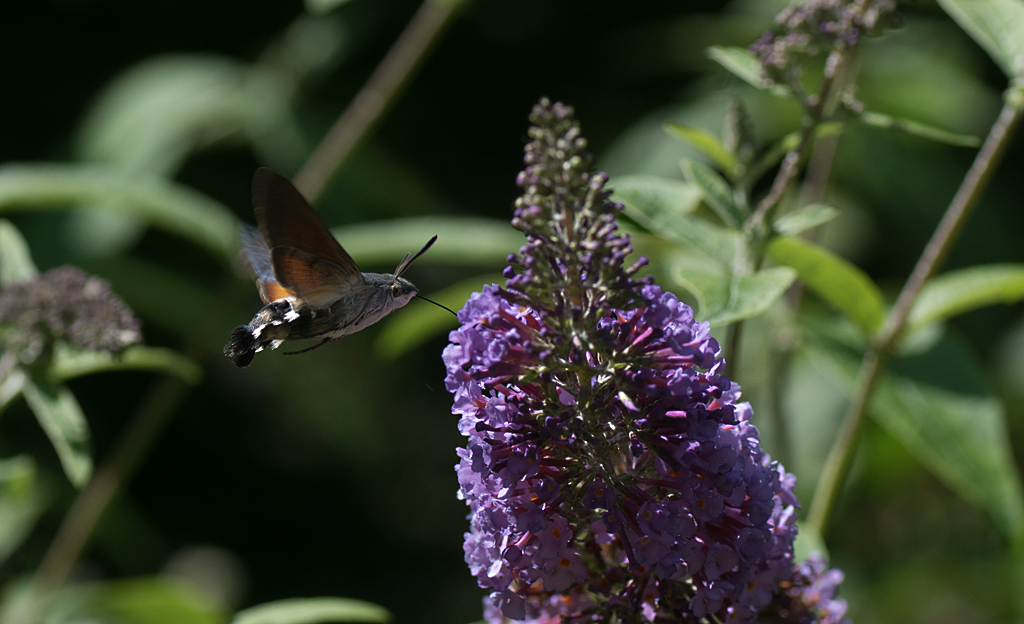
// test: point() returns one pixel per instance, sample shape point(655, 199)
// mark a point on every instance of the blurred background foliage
point(132, 133)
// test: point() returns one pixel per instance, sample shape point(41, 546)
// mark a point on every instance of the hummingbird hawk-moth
point(311, 286)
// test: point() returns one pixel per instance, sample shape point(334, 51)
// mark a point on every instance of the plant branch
point(837, 466)
point(376, 96)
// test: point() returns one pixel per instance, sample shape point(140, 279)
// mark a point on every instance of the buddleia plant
point(611, 469)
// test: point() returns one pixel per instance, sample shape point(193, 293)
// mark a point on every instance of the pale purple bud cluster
point(813, 27)
point(65, 304)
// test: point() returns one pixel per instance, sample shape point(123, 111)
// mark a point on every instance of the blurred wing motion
point(293, 253)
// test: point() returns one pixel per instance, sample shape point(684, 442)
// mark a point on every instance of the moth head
point(402, 290)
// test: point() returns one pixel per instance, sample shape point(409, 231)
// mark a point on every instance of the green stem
point(376, 96)
point(837, 466)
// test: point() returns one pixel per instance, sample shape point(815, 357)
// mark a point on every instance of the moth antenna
point(438, 305)
point(404, 264)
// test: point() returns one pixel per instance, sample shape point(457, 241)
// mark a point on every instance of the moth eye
point(396, 290)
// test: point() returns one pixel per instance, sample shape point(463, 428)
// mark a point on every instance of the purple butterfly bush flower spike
point(610, 469)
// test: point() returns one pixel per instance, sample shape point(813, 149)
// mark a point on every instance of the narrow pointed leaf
point(15, 258)
point(963, 290)
point(161, 203)
point(742, 63)
point(805, 218)
point(707, 143)
point(917, 128)
point(832, 278)
point(62, 419)
point(997, 26)
point(69, 363)
point(312, 611)
point(420, 321)
point(473, 241)
point(717, 192)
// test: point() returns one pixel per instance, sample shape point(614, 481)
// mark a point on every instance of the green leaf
point(167, 205)
point(997, 26)
point(471, 241)
point(807, 541)
point(644, 195)
point(750, 295)
point(322, 7)
point(742, 63)
point(707, 143)
point(832, 278)
point(691, 232)
point(415, 324)
point(960, 438)
point(917, 128)
point(62, 419)
point(717, 192)
point(15, 258)
point(963, 290)
point(69, 363)
point(154, 600)
point(723, 298)
point(804, 218)
point(20, 502)
point(312, 611)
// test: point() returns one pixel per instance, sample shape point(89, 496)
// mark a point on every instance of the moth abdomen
point(241, 346)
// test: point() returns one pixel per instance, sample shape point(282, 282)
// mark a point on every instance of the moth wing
point(257, 254)
point(309, 276)
point(286, 220)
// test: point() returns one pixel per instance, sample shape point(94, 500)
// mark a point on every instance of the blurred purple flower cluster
point(610, 470)
point(68, 304)
point(812, 27)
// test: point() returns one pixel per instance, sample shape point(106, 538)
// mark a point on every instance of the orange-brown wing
point(258, 256)
point(285, 219)
point(304, 273)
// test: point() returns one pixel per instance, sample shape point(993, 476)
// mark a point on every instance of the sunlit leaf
point(69, 363)
point(653, 195)
point(706, 279)
point(62, 419)
point(804, 218)
point(20, 502)
point(997, 26)
point(419, 321)
point(473, 241)
point(750, 295)
point(832, 278)
point(917, 128)
point(963, 290)
point(691, 232)
point(161, 203)
point(15, 258)
point(321, 7)
point(742, 63)
point(707, 143)
point(716, 191)
point(12, 385)
point(154, 600)
point(312, 611)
